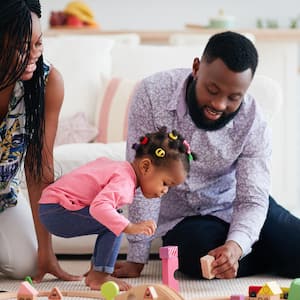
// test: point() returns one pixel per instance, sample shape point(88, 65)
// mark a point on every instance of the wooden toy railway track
point(81, 294)
point(96, 295)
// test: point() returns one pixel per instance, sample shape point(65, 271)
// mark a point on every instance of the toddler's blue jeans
point(66, 223)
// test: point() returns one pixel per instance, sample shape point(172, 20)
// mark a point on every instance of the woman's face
point(36, 48)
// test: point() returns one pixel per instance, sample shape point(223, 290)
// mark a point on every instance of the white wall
point(174, 14)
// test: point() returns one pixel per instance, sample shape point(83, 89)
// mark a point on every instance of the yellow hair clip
point(160, 152)
point(173, 136)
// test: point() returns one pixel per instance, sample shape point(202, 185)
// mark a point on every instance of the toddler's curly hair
point(163, 147)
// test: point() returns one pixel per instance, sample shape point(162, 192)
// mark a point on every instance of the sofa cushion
point(81, 60)
point(112, 109)
point(75, 129)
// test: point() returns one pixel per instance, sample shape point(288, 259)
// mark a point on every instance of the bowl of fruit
point(75, 15)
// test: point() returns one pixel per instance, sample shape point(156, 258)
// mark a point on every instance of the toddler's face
point(158, 180)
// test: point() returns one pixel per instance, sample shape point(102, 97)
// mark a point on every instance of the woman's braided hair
point(15, 37)
point(162, 147)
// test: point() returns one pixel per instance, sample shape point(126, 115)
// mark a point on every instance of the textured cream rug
point(189, 289)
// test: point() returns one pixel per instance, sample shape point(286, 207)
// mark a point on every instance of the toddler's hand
point(146, 227)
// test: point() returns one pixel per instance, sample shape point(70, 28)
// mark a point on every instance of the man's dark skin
point(219, 92)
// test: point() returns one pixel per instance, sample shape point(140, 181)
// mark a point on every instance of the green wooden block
point(29, 280)
point(294, 292)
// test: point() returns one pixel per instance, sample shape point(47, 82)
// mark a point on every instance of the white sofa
point(100, 74)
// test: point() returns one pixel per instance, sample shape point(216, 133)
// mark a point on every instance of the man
point(223, 208)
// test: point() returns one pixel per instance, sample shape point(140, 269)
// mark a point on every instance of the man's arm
point(251, 204)
point(253, 188)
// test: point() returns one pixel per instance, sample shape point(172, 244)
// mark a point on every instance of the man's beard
point(197, 113)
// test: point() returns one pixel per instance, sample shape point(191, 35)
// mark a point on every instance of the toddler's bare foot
point(87, 272)
point(95, 279)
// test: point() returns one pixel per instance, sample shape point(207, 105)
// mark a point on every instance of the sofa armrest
point(70, 156)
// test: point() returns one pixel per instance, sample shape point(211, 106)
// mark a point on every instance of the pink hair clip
point(188, 150)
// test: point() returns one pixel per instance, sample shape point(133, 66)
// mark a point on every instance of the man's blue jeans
point(65, 223)
point(277, 251)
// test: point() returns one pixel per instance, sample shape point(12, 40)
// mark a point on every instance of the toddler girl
point(87, 200)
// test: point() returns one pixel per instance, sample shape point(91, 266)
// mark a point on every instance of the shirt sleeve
point(104, 207)
point(141, 208)
point(253, 185)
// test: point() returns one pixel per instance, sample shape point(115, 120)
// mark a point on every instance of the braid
point(163, 147)
point(35, 119)
point(15, 38)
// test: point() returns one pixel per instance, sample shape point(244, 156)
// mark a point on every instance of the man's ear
point(196, 64)
point(145, 165)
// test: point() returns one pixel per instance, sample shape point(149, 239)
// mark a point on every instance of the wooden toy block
point(150, 293)
point(206, 268)
point(168, 252)
point(267, 297)
point(157, 292)
point(270, 289)
point(55, 294)
point(27, 292)
point(253, 290)
point(29, 279)
point(285, 292)
point(237, 297)
point(294, 292)
point(169, 257)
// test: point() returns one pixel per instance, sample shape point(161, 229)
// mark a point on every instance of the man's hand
point(226, 260)
point(127, 269)
point(146, 227)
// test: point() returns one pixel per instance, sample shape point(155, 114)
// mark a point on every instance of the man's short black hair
point(236, 51)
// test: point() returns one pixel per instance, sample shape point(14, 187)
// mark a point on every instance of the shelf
point(162, 37)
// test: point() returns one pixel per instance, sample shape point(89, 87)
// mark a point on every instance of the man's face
point(218, 94)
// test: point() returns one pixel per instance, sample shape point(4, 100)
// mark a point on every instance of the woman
point(31, 95)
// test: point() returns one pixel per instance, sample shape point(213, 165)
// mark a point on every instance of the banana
point(85, 9)
point(81, 11)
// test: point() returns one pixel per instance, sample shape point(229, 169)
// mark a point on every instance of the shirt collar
point(178, 102)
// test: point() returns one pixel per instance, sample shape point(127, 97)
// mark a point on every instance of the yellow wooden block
point(270, 289)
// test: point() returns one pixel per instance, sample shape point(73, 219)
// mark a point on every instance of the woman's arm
point(47, 261)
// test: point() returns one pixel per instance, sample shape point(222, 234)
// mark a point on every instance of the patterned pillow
point(112, 110)
point(75, 129)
